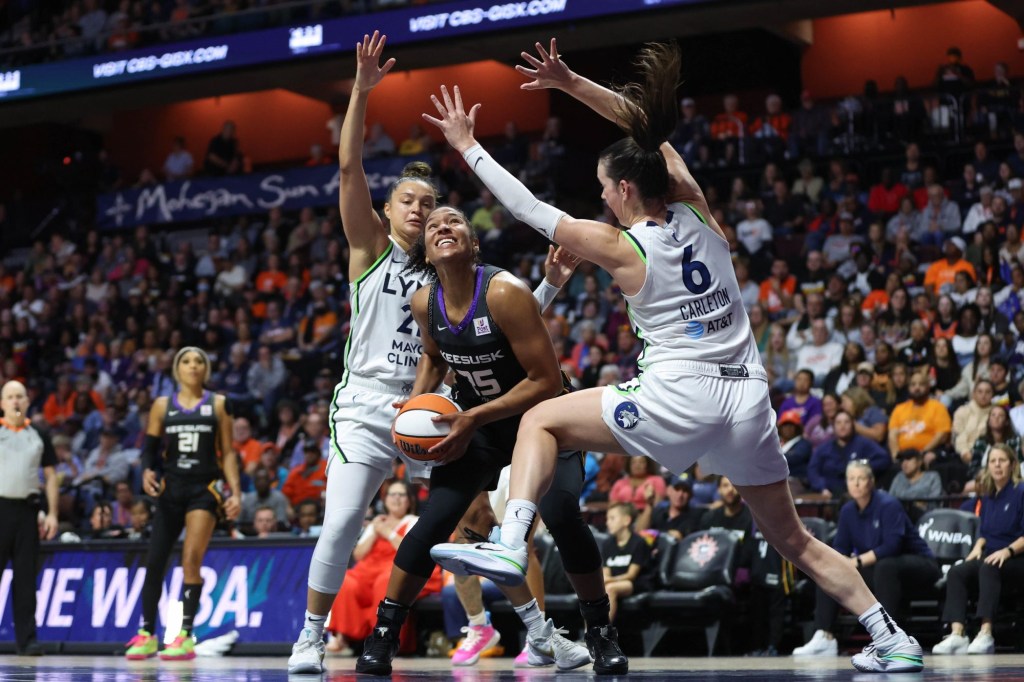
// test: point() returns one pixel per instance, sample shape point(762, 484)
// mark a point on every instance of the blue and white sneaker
point(500, 563)
point(905, 657)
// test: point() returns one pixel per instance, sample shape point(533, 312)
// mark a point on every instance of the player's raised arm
point(364, 229)
point(597, 242)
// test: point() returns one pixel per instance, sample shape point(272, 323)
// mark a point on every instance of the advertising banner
point(93, 592)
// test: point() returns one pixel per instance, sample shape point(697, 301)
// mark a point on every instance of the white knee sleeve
point(350, 487)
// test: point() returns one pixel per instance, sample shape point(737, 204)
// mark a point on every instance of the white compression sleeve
point(545, 293)
point(513, 194)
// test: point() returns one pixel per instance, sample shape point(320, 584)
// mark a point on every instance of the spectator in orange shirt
point(269, 283)
point(921, 423)
point(940, 274)
point(60, 404)
point(777, 290)
point(309, 479)
point(727, 127)
point(248, 448)
point(772, 128)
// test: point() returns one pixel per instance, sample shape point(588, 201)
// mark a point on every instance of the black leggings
point(890, 579)
point(453, 488)
point(989, 581)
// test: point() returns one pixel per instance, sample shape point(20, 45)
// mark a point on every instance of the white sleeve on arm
point(545, 293)
point(513, 194)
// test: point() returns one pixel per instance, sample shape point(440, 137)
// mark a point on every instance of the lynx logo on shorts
point(627, 416)
point(703, 550)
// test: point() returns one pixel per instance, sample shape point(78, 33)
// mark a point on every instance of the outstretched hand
point(368, 69)
point(559, 266)
point(455, 123)
point(548, 72)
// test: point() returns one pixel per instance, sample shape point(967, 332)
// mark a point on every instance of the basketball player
point(381, 353)
point(702, 394)
point(486, 327)
point(198, 454)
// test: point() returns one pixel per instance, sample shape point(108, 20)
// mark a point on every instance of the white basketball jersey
point(689, 307)
point(384, 341)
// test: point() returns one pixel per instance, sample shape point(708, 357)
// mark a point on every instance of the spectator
point(265, 522)
point(308, 479)
point(799, 334)
point(970, 420)
point(755, 233)
point(101, 526)
point(794, 446)
point(121, 509)
point(265, 378)
point(940, 275)
point(270, 461)
point(627, 557)
point(980, 212)
point(808, 132)
point(806, 404)
point(105, 466)
point(678, 517)
point(1004, 391)
point(954, 77)
point(905, 221)
point(418, 142)
point(999, 428)
point(179, 163)
point(378, 143)
point(918, 352)
point(912, 483)
point(222, 154)
point(691, 131)
point(885, 197)
point(317, 157)
point(870, 420)
point(921, 423)
point(827, 469)
point(308, 520)
point(885, 547)
point(141, 521)
point(642, 482)
point(993, 560)
point(938, 220)
point(263, 495)
point(950, 383)
point(778, 289)
point(772, 128)
point(843, 375)
point(355, 608)
point(734, 516)
point(820, 429)
point(314, 430)
point(822, 354)
point(728, 126)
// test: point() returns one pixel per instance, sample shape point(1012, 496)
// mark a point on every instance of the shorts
point(360, 420)
point(683, 412)
point(180, 496)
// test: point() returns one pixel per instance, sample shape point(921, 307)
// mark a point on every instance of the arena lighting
point(336, 36)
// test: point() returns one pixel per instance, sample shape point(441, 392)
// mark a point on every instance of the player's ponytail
point(649, 114)
point(416, 171)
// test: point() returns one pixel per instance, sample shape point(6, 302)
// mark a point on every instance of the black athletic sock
point(190, 604)
point(596, 613)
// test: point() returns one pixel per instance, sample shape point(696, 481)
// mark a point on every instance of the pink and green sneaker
point(183, 648)
point(140, 647)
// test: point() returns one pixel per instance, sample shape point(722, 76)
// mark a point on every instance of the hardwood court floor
point(272, 669)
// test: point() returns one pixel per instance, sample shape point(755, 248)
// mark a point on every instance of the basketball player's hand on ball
point(559, 266)
point(454, 445)
point(232, 508)
point(150, 484)
point(455, 123)
point(549, 71)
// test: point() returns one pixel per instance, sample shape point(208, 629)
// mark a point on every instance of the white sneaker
point(984, 643)
point(951, 645)
point(307, 654)
point(503, 565)
point(820, 645)
point(905, 656)
point(551, 647)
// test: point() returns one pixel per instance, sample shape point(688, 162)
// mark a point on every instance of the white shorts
point(678, 413)
point(360, 420)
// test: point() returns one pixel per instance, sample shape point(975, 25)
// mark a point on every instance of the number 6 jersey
point(192, 440)
point(689, 307)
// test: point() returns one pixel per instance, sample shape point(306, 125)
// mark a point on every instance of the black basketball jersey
point(192, 440)
point(475, 348)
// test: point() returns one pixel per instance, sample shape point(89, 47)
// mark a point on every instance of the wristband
point(545, 293)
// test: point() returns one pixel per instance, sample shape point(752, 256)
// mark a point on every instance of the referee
point(23, 449)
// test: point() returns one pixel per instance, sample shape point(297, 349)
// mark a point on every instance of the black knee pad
point(413, 555)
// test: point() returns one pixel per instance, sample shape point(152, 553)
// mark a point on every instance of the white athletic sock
point(479, 619)
point(516, 525)
point(532, 617)
point(883, 629)
point(315, 623)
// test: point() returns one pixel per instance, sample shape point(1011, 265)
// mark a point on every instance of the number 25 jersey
point(689, 307)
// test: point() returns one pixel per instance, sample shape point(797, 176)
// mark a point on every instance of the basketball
point(413, 431)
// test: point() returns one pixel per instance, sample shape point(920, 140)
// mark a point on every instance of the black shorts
point(180, 496)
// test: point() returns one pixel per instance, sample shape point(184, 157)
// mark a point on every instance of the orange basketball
point(414, 432)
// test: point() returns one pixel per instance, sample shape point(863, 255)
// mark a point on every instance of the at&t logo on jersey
point(694, 329)
point(627, 416)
